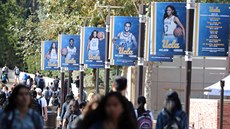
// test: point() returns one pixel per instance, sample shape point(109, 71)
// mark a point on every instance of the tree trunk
point(148, 84)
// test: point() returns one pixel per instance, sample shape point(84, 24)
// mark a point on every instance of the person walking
point(71, 114)
point(120, 85)
point(16, 74)
point(18, 113)
point(56, 82)
point(112, 113)
point(144, 117)
point(43, 104)
point(172, 116)
point(5, 70)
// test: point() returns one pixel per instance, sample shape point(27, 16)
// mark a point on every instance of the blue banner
point(49, 55)
point(168, 28)
point(211, 29)
point(148, 55)
point(69, 51)
point(124, 38)
point(93, 46)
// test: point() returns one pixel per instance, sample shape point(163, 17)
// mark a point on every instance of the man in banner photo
point(70, 52)
point(173, 28)
point(125, 42)
point(52, 55)
point(93, 45)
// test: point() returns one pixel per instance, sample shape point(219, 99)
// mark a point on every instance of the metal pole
point(81, 81)
point(62, 86)
point(107, 61)
point(117, 71)
point(222, 83)
point(97, 81)
point(69, 81)
point(188, 52)
point(140, 74)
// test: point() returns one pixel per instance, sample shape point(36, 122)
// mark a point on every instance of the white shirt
point(126, 38)
point(71, 51)
point(94, 42)
point(43, 101)
point(169, 25)
point(53, 54)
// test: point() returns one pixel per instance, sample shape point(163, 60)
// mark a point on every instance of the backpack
point(38, 106)
point(55, 101)
point(4, 78)
point(56, 81)
point(17, 71)
point(145, 121)
point(174, 122)
point(41, 83)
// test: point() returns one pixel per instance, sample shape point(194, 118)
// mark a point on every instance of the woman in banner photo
point(70, 52)
point(52, 53)
point(127, 39)
point(173, 28)
point(93, 45)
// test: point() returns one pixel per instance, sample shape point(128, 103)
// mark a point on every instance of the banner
point(168, 22)
point(148, 55)
point(49, 55)
point(69, 51)
point(93, 46)
point(121, 62)
point(211, 30)
point(124, 38)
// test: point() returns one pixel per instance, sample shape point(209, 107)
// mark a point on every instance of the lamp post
point(188, 53)
point(140, 63)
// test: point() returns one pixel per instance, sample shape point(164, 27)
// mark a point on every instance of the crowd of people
point(25, 107)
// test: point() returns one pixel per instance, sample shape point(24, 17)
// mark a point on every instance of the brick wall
point(204, 113)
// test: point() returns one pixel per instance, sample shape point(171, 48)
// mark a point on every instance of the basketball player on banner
point(52, 55)
point(126, 38)
point(93, 45)
point(70, 52)
point(173, 28)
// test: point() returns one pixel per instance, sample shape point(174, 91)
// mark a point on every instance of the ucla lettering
point(70, 61)
point(52, 64)
point(214, 9)
point(125, 52)
point(90, 57)
point(166, 44)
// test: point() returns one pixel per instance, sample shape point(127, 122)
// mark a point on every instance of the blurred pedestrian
point(16, 74)
point(120, 85)
point(36, 102)
point(72, 113)
point(54, 100)
point(4, 78)
point(18, 113)
point(41, 82)
point(2, 101)
point(172, 116)
point(144, 117)
point(56, 82)
point(64, 108)
point(47, 94)
point(43, 104)
point(5, 71)
point(112, 113)
point(5, 89)
point(88, 113)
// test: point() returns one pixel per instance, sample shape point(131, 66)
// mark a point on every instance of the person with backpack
point(64, 108)
point(5, 71)
point(41, 82)
point(172, 116)
point(47, 94)
point(18, 113)
point(56, 82)
point(54, 100)
point(25, 77)
point(16, 74)
point(4, 78)
point(144, 117)
point(36, 102)
point(43, 104)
